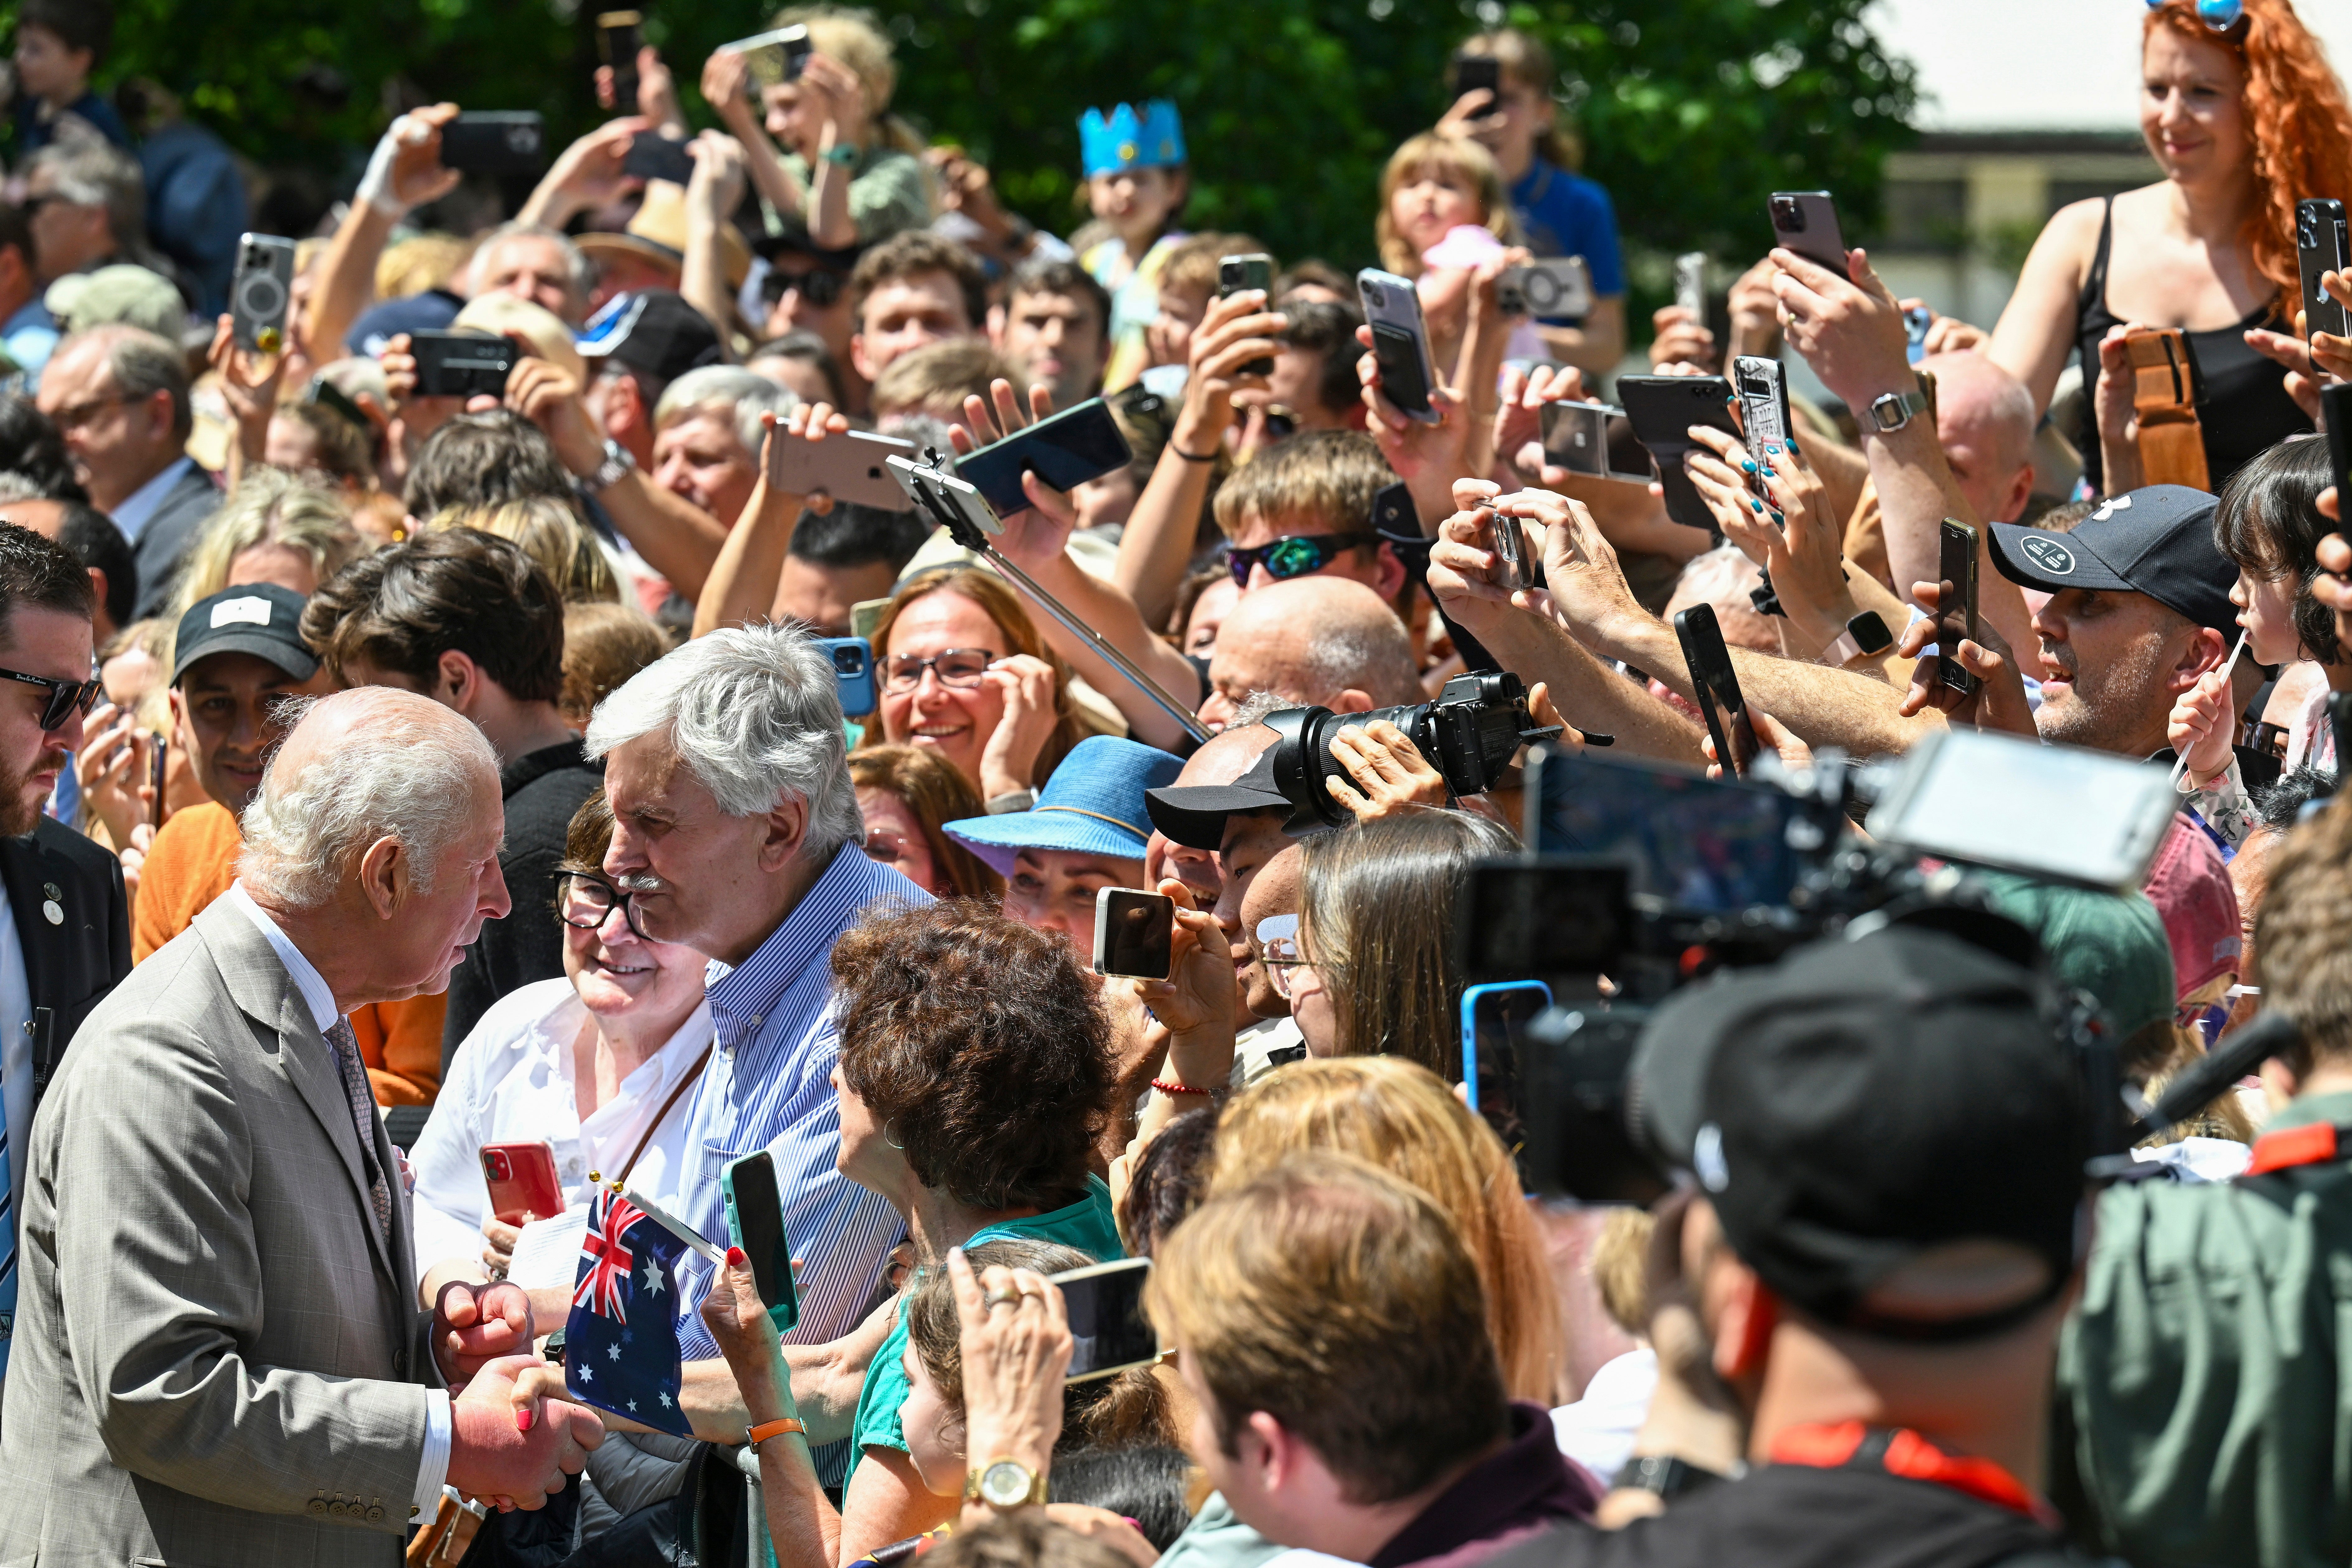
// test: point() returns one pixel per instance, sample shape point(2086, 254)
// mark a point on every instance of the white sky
point(2003, 65)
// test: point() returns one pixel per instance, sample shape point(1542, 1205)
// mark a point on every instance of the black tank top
point(2246, 411)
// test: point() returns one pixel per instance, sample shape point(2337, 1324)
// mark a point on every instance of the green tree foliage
point(1690, 110)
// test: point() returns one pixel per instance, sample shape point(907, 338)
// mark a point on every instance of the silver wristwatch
point(1891, 413)
point(617, 462)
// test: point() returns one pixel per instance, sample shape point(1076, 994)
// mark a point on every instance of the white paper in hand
point(547, 1253)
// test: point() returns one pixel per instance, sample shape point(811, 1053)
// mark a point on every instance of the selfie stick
point(694, 1238)
point(2228, 669)
point(969, 535)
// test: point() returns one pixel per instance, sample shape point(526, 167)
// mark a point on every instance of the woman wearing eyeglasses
point(963, 671)
point(2241, 112)
point(600, 1065)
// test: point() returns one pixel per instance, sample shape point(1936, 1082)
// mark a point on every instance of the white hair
point(732, 393)
point(754, 712)
point(399, 775)
point(577, 268)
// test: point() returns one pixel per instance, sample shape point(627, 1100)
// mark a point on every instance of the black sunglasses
point(819, 286)
point(65, 697)
point(1293, 556)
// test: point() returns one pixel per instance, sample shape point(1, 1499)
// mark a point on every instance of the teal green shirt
point(887, 194)
point(1086, 1225)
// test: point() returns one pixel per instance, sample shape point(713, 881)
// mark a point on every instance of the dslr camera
point(1469, 734)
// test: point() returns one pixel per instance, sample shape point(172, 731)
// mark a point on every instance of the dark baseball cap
point(257, 618)
point(431, 312)
point(654, 331)
point(1865, 1100)
point(2157, 540)
point(1194, 815)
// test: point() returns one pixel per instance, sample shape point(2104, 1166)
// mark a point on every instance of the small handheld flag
point(620, 1343)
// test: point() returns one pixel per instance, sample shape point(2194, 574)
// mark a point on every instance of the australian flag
point(620, 1344)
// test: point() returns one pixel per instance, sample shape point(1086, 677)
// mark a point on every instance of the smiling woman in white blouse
point(600, 1065)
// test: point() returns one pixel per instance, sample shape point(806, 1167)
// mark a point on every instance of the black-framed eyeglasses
point(66, 697)
point(584, 902)
point(819, 286)
point(1293, 555)
point(960, 667)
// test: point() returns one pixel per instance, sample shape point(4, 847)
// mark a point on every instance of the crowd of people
point(393, 782)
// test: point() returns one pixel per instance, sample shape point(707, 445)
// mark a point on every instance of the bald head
point(1984, 417)
point(1319, 641)
point(1722, 578)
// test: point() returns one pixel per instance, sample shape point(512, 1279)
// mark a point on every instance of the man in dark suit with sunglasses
point(65, 942)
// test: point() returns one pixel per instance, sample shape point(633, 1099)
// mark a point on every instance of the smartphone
point(1716, 686)
point(1237, 274)
point(261, 291)
point(1064, 450)
point(774, 57)
point(495, 142)
point(1400, 341)
point(2335, 413)
point(1510, 551)
point(618, 38)
point(1109, 1328)
point(1472, 72)
point(1558, 286)
point(853, 672)
point(1566, 917)
point(521, 1179)
point(462, 364)
point(943, 497)
point(1145, 409)
point(2321, 246)
point(1493, 1020)
point(653, 156)
point(1135, 932)
point(853, 466)
point(1662, 410)
point(159, 757)
point(1572, 1074)
point(1916, 322)
point(1690, 284)
point(1762, 388)
point(2090, 818)
point(1594, 439)
point(1806, 221)
point(1956, 547)
point(755, 1222)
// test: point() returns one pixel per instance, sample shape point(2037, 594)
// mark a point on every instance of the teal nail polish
point(1744, 463)
point(1772, 448)
point(1792, 449)
point(1757, 504)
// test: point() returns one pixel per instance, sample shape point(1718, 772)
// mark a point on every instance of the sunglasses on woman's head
point(1294, 555)
point(2219, 15)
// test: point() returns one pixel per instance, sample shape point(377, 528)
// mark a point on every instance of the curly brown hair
point(979, 1044)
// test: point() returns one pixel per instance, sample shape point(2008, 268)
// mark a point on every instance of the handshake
point(514, 1440)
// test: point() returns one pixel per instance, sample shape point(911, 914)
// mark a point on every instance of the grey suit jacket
point(216, 1359)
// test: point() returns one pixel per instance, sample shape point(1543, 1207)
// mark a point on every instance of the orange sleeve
point(192, 861)
point(399, 1042)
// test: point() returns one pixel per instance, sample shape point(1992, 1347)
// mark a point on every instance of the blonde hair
point(1327, 478)
point(853, 36)
point(1192, 264)
point(408, 268)
point(941, 374)
point(1399, 1116)
point(271, 507)
point(1468, 161)
point(547, 530)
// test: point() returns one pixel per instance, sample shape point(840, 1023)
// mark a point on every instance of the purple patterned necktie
point(355, 1088)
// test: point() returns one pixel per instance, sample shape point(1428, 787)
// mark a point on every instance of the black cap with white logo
point(2157, 540)
point(257, 618)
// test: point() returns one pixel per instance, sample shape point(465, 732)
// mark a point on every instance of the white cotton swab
point(2181, 761)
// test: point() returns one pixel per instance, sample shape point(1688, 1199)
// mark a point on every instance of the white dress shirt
point(511, 1082)
point(432, 1468)
point(139, 506)
point(15, 1054)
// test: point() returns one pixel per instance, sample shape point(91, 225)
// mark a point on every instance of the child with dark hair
point(59, 43)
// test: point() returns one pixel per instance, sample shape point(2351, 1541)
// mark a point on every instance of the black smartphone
point(260, 292)
point(1806, 221)
point(1558, 918)
point(1109, 1330)
point(159, 758)
point(1145, 410)
point(1716, 686)
point(1472, 72)
point(619, 36)
point(1064, 450)
point(1400, 341)
point(1495, 1017)
point(1662, 409)
point(755, 1222)
point(1236, 273)
point(2321, 246)
point(1956, 618)
point(462, 364)
point(653, 156)
point(495, 142)
point(1394, 511)
point(2335, 413)
point(1135, 932)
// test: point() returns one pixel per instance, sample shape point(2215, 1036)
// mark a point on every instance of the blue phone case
point(853, 667)
point(1471, 997)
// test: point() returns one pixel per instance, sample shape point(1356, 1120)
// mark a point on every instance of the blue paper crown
point(1124, 141)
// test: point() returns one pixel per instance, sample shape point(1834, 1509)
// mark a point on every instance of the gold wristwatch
point(1004, 1483)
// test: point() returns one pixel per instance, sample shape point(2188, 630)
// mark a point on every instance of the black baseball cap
point(1194, 815)
point(652, 330)
point(1865, 1100)
point(2157, 540)
point(257, 618)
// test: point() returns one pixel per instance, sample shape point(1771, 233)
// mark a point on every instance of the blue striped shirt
point(769, 1086)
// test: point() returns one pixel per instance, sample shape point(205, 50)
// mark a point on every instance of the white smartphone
point(1400, 341)
point(1110, 1331)
point(850, 466)
point(943, 497)
point(2085, 817)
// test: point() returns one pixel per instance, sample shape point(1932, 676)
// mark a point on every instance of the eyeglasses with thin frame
point(584, 902)
point(74, 415)
point(66, 697)
point(959, 667)
point(1293, 555)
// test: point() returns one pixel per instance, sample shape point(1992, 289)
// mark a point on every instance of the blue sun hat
point(1093, 805)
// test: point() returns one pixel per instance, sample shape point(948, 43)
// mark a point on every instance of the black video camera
point(1469, 734)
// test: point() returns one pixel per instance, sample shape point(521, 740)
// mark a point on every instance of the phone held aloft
point(1400, 341)
point(1806, 221)
point(776, 58)
point(461, 364)
point(1512, 571)
point(618, 39)
point(1135, 932)
point(261, 292)
point(1956, 619)
point(495, 142)
point(1238, 274)
point(1554, 287)
point(1594, 439)
point(1109, 1330)
point(1716, 686)
point(2323, 243)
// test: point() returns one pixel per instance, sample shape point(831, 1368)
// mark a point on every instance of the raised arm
point(403, 172)
point(742, 588)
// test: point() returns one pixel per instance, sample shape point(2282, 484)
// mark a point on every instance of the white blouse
point(511, 1082)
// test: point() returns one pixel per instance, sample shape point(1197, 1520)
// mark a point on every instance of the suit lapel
point(20, 873)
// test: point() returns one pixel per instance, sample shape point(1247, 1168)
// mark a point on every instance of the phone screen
point(1134, 933)
point(1109, 1329)
point(1066, 451)
point(617, 33)
point(1399, 360)
point(1564, 916)
point(653, 156)
point(1494, 1020)
point(1511, 551)
point(2085, 817)
point(1706, 846)
point(1716, 686)
point(1472, 72)
point(755, 1219)
point(1957, 617)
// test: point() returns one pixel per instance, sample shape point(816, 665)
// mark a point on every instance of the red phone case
point(521, 1178)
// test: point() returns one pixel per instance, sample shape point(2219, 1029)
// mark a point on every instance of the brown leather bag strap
point(684, 1083)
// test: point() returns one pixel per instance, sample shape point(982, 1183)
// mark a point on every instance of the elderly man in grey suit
point(216, 1357)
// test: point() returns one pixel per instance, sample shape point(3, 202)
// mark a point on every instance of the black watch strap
point(1662, 1474)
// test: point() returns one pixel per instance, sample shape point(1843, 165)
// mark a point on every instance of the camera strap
point(1900, 1451)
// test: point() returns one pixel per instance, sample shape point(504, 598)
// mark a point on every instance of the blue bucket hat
point(1093, 805)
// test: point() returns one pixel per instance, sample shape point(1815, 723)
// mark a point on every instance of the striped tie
point(355, 1087)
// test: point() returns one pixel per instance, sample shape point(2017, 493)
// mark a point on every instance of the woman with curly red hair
point(2245, 120)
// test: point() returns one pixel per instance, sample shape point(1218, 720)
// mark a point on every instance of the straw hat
point(657, 234)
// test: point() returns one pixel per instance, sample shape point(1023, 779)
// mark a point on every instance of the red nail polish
point(522, 1420)
point(736, 1258)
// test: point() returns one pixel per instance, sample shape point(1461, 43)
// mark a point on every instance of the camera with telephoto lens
point(1469, 734)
